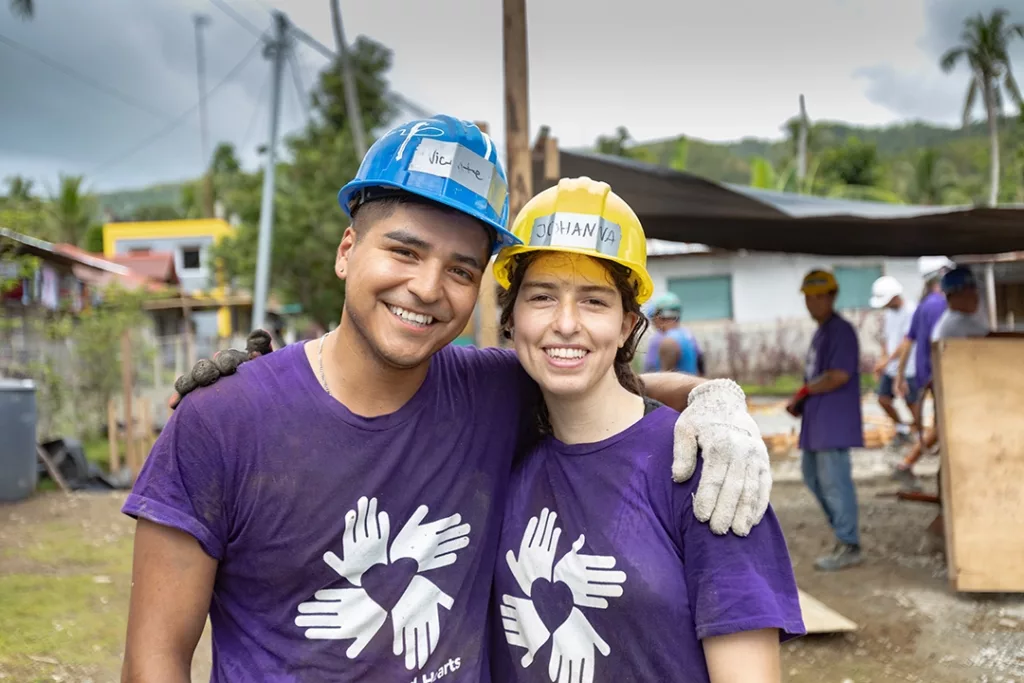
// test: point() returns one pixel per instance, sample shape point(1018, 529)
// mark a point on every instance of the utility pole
point(276, 51)
point(355, 116)
point(801, 147)
point(517, 141)
point(201, 21)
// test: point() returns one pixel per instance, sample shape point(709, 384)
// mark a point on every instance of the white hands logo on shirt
point(591, 579)
point(351, 614)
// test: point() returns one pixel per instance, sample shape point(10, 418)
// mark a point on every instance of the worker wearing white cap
point(887, 294)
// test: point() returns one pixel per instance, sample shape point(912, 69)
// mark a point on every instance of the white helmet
point(933, 266)
point(884, 290)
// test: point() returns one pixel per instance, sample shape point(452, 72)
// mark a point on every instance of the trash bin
point(18, 474)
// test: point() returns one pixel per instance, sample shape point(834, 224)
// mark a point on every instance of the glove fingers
point(258, 343)
point(725, 509)
point(716, 466)
point(228, 360)
point(764, 495)
point(205, 372)
point(744, 518)
point(684, 450)
point(184, 384)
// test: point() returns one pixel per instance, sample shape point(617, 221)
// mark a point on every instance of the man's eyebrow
point(410, 240)
point(468, 260)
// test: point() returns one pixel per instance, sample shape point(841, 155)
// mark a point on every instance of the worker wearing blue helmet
point(334, 507)
point(672, 347)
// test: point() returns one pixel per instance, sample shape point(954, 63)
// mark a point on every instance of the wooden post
point(190, 348)
point(487, 318)
point(517, 107)
point(146, 429)
point(990, 294)
point(115, 456)
point(127, 398)
point(552, 164)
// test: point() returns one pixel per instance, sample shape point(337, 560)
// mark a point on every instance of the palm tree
point(984, 46)
point(23, 9)
point(70, 212)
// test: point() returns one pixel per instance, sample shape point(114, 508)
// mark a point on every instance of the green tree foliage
point(308, 223)
point(23, 9)
point(75, 358)
point(70, 212)
point(985, 48)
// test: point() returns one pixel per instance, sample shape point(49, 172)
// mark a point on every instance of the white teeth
point(567, 354)
point(410, 317)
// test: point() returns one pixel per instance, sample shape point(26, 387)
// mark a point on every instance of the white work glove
point(736, 481)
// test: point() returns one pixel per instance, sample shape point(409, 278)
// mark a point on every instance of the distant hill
point(898, 145)
point(965, 150)
point(126, 202)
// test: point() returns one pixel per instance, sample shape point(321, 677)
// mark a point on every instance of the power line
point(300, 89)
point(182, 117)
point(255, 113)
point(88, 80)
point(395, 96)
point(239, 19)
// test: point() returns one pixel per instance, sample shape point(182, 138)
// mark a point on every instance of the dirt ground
point(65, 566)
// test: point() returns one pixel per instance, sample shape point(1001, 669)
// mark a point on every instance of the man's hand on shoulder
point(736, 481)
point(225, 362)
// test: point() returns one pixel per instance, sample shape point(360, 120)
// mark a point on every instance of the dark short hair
point(624, 283)
point(381, 203)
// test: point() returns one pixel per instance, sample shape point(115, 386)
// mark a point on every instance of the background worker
point(926, 316)
point(960, 320)
point(831, 423)
point(672, 346)
point(887, 294)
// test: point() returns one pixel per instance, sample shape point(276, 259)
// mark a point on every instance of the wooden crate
point(980, 398)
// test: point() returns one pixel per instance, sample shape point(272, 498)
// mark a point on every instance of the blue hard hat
point(665, 303)
point(443, 159)
point(957, 280)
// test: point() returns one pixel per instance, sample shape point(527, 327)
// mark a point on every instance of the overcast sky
point(715, 70)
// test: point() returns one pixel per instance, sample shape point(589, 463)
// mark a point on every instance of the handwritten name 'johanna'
point(582, 229)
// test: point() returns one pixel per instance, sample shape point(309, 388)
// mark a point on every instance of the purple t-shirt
point(603, 566)
point(925, 318)
point(288, 490)
point(833, 420)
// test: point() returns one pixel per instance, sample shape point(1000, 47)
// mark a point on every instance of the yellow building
point(215, 312)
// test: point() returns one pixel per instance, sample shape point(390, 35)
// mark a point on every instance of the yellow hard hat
point(819, 282)
point(580, 216)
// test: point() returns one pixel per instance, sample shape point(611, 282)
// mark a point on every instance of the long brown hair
point(623, 357)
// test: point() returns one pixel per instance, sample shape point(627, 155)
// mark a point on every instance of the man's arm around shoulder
point(172, 586)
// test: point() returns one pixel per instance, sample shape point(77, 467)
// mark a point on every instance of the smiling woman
point(639, 572)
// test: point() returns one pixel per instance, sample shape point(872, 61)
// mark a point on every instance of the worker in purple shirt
point(334, 507)
point(922, 325)
point(831, 423)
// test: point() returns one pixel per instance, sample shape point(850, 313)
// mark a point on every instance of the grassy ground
point(787, 385)
point(65, 574)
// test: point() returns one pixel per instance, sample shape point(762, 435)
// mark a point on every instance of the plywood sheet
point(980, 398)
point(820, 618)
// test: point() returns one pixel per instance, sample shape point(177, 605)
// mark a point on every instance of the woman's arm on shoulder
point(745, 657)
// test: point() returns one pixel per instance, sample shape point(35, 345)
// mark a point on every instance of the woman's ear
point(629, 323)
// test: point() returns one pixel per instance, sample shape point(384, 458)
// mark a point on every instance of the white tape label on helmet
point(577, 231)
point(453, 161)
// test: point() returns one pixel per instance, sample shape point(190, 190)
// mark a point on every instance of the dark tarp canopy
point(682, 207)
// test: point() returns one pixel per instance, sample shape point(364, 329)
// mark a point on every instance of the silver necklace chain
point(320, 359)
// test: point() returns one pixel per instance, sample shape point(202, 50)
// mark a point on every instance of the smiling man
point(334, 506)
